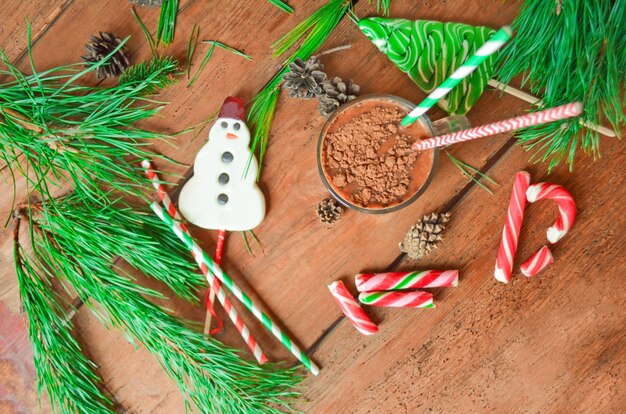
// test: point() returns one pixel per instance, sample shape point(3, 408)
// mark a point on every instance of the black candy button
point(222, 199)
point(223, 178)
point(227, 157)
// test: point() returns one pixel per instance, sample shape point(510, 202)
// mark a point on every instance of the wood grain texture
point(548, 344)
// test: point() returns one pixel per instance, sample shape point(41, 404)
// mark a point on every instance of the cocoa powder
point(369, 159)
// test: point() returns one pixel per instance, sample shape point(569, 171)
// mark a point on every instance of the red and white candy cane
point(367, 282)
point(537, 262)
point(565, 202)
point(350, 307)
point(512, 226)
point(416, 299)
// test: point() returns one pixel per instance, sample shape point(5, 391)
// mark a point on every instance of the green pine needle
point(191, 46)
point(471, 172)
point(167, 22)
point(146, 33)
point(383, 6)
point(281, 5)
point(578, 54)
point(208, 55)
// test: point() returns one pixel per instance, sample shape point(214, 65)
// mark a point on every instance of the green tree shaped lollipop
point(429, 51)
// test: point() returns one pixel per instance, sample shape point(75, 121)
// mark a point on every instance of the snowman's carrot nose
point(230, 135)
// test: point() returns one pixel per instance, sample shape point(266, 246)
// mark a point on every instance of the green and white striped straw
point(236, 290)
point(490, 47)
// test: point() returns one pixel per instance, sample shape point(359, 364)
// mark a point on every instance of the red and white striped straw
point(536, 118)
point(241, 327)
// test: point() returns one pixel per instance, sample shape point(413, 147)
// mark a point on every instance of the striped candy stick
point(498, 40)
point(415, 299)
point(367, 282)
point(171, 210)
point(351, 308)
point(512, 226)
point(241, 327)
point(215, 271)
point(538, 261)
point(565, 202)
point(536, 118)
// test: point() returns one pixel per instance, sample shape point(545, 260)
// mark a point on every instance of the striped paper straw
point(215, 271)
point(241, 327)
point(536, 118)
point(487, 49)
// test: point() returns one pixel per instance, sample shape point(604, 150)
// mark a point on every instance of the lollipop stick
point(210, 293)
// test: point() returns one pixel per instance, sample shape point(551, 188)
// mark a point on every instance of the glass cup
point(446, 125)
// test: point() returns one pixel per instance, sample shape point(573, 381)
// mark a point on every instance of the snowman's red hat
point(233, 108)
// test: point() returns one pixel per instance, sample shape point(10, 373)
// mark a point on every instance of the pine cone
point(424, 236)
point(151, 3)
point(304, 79)
point(336, 93)
point(329, 211)
point(99, 48)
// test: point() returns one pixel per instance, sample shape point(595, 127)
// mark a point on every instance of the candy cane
point(512, 226)
point(416, 299)
point(565, 202)
point(367, 282)
point(350, 307)
point(537, 262)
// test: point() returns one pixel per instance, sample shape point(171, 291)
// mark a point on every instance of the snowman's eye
point(236, 126)
point(224, 124)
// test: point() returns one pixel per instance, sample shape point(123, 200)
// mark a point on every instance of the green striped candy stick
point(215, 271)
point(489, 48)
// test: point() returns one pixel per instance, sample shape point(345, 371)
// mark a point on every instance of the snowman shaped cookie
point(222, 195)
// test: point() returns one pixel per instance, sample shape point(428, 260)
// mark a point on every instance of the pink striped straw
point(243, 330)
point(536, 118)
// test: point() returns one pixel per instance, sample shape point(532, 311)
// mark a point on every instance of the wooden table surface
point(552, 344)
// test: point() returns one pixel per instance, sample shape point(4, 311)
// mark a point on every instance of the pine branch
point(212, 377)
point(578, 54)
point(318, 26)
point(63, 371)
point(84, 135)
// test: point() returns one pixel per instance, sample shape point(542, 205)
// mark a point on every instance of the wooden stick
point(538, 102)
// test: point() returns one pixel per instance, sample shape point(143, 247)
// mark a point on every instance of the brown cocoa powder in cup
point(369, 159)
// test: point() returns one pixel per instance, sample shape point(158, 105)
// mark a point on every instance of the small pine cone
point(424, 236)
point(151, 3)
point(329, 211)
point(304, 79)
point(336, 93)
point(99, 48)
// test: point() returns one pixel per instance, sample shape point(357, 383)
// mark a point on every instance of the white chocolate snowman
point(222, 195)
